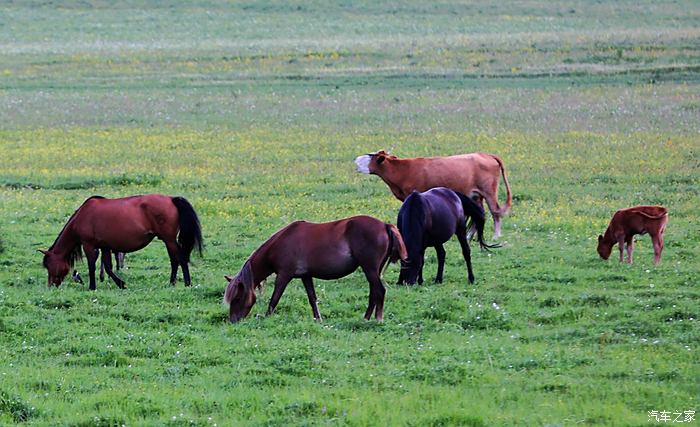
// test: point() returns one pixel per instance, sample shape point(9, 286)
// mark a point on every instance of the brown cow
point(476, 175)
point(625, 223)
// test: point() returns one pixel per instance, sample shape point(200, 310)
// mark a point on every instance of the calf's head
point(604, 247)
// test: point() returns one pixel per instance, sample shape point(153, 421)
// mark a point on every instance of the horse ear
point(600, 237)
point(228, 278)
point(43, 251)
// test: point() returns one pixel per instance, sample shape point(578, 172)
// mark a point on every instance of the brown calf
point(475, 175)
point(625, 223)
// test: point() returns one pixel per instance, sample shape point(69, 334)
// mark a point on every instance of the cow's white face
point(362, 163)
point(371, 163)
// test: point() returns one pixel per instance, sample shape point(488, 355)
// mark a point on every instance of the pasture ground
point(254, 112)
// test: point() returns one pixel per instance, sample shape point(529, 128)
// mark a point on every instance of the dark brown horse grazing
point(125, 225)
point(329, 250)
point(431, 218)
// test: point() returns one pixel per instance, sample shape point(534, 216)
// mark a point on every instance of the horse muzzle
point(235, 319)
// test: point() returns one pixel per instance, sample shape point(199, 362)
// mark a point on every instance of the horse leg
point(630, 249)
point(102, 269)
point(420, 270)
point(281, 282)
point(658, 241)
point(119, 258)
point(401, 275)
point(185, 271)
point(376, 294)
point(471, 225)
point(107, 265)
point(177, 259)
point(77, 278)
point(91, 255)
point(311, 293)
point(440, 250)
point(174, 254)
point(466, 253)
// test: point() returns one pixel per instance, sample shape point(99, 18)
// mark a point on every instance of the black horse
point(430, 219)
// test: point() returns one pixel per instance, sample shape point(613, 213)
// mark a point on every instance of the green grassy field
point(255, 111)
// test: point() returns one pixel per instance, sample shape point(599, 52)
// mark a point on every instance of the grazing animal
point(125, 225)
point(118, 262)
point(625, 223)
point(329, 250)
point(476, 175)
point(431, 218)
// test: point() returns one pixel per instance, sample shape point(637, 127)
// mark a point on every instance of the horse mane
point(259, 286)
point(76, 254)
point(411, 223)
point(245, 275)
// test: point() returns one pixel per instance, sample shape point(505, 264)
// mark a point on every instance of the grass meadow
point(254, 111)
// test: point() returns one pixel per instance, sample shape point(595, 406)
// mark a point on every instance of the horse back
point(445, 212)
point(326, 250)
point(128, 223)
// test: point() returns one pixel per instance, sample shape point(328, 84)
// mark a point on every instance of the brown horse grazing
point(125, 225)
point(625, 223)
point(329, 250)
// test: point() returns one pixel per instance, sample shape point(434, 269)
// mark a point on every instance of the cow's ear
point(228, 278)
point(380, 159)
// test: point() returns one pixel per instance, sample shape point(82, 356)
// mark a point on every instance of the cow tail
point(659, 216)
point(190, 235)
point(509, 198)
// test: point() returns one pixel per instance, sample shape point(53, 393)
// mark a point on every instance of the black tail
point(190, 235)
point(476, 213)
